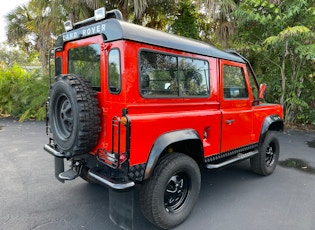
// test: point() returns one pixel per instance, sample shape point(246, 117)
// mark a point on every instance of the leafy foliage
point(279, 36)
point(276, 36)
point(186, 22)
point(22, 94)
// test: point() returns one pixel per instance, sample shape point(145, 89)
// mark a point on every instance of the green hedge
point(23, 93)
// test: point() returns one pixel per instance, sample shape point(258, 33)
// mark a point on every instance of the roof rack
point(99, 15)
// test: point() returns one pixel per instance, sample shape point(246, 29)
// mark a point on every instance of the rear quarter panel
point(147, 126)
point(262, 111)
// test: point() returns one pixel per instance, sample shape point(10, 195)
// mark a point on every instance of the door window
point(234, 83)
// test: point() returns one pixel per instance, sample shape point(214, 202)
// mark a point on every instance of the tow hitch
point(74, 171)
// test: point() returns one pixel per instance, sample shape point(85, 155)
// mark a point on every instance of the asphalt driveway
point(233, 198)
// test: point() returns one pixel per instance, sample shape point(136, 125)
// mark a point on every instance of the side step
point(68, 175)
point(238, 157)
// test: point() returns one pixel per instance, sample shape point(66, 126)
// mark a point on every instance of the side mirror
point(262, 91)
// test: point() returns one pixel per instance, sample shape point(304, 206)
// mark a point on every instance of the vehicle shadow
point(96, 199)
point(216, 185)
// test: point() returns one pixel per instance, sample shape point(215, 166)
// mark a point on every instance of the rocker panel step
point(68, 175)
point(238, 157)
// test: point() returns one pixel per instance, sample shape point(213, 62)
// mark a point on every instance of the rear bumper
point(93, 173)
point(110, 183)
point(48, 148)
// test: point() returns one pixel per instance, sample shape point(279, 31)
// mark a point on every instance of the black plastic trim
point(234, 159)
point(272, 122)
point(51, 150)
point(108, 182)
point(165, 140)
point(231, 153)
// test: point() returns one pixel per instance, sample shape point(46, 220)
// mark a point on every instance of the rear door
point(86, 58)
point(236, 106)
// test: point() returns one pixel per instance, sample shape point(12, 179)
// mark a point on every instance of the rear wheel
point(168, 197)
point(265, 162)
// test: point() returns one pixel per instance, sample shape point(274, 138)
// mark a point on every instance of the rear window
point(85, 61)
point(164, 75)
point(114, 73)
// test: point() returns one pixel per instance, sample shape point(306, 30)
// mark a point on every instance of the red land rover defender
point(131, 105)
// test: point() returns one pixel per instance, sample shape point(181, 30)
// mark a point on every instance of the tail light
point(119, 152)
point(113, 160)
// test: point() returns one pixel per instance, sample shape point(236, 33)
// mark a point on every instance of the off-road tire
point(265, 162)
point(164, 204)
point(74, 119)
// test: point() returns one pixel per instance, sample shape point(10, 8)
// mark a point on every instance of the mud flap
point(59, 168)
point(121, 206)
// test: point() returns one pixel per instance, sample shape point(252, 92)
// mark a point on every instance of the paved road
point(233, 198)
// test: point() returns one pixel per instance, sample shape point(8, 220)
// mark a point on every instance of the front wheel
point(265, 162)
point(168, 197)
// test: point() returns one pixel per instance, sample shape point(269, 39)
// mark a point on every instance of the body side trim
point(231, 153)
point(272, 122)
point(162, 142)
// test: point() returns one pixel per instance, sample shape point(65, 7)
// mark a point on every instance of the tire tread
point(148, 198)
point(88, 117)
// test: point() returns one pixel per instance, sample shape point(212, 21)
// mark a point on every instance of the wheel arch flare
point(165, 142)
point(271, 122)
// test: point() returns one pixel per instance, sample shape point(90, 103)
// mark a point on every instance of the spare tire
point(74, 115)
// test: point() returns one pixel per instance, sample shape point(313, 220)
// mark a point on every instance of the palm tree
point(18, 27)
point(35, 25)
point(139, 6)
point(31, 31)
point(220, 12)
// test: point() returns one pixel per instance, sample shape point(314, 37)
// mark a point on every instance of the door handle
point(229, 122)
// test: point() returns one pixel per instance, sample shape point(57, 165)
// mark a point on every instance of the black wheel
point(168, 197)
point(265, 162)
point(73, 115)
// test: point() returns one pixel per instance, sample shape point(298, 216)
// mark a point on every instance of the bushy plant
point(279, 35)
point(22, 93)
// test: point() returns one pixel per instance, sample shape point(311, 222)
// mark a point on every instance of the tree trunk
point(283, 82)
point(123, 7)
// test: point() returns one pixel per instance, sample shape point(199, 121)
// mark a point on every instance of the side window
point(85, 61)
point(194, 77)
point(114, 73)
point(58, 66)
point(172, 76)
point(234, 82)
point(158, 74)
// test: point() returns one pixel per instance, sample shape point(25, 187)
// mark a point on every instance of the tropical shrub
point(22, 93)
